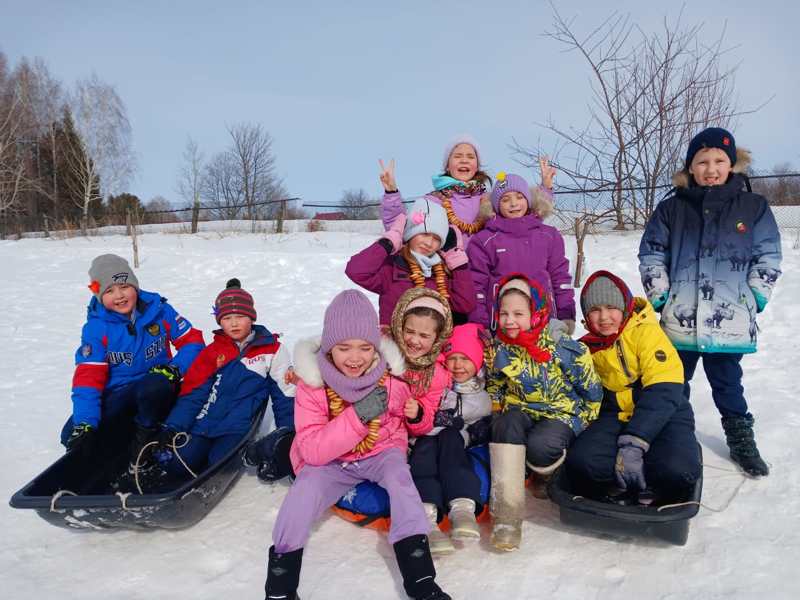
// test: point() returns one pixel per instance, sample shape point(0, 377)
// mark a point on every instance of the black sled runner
point(667, 523)
point(75, 492)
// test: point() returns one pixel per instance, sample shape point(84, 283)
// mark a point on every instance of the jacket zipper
point(621, 356)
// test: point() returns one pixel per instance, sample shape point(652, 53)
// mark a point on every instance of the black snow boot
point(283, 574)
point(416, 567)
point(742, 443)
point(142, 466)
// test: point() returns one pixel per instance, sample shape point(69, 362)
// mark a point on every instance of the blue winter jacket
point(226, 386)
point(709, 259)
point(116, 351)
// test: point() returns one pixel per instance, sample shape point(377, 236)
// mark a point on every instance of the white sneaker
point(463, 525)
point(438, 541)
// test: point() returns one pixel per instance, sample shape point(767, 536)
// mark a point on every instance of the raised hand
point(548, 172)
point(411, 409)
point(387, 176)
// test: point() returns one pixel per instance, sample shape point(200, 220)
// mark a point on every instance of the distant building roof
point(331, 216)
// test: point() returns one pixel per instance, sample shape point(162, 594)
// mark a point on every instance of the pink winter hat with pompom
point(465, 341)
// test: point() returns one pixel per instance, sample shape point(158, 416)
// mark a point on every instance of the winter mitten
point(82, 440)
point(629, 466)
point(395, 233)
point(480, 431)
point(570, 324)
point(372, 405)
point(171, 373)
point(453, 250)
point(448, 418)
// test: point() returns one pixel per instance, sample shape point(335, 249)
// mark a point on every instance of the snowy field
point(747, 550)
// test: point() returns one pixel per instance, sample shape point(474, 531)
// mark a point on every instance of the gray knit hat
point(108, 269)
point(602, 291)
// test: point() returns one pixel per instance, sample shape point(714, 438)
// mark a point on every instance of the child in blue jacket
point(227, 385)
point(709, 258)
point(124, 368)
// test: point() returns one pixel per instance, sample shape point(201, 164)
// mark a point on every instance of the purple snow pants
point(318, 488)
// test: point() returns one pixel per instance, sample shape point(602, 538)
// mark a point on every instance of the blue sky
point(341, 84)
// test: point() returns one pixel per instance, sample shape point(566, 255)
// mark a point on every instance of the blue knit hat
point(425, 216)
point(712, 137)
point(505, 183)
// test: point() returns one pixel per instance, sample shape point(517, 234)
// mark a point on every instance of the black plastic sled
point(75, 493)
point(670, 524)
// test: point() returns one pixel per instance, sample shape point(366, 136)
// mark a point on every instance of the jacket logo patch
point(154, 329)
point(499, 250)
point(220, 360)
point(86, 350)
point(661, 356)
point(155, 349)
point(741, 227)
point(119, 358)
point(257, 364)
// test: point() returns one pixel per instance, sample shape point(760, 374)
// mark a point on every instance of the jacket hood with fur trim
point(743, 159)
point(305, 359)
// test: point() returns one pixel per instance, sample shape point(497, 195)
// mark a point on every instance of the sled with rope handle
point(367, 504)
point(75, 492)
point(668, 522)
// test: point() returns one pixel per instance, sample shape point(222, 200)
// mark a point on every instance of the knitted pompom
point(501, 176)
point(233, 283)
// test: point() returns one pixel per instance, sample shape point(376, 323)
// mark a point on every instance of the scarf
point(531, 340)
point(426, 263)
point(350, 389)
point(446, 186)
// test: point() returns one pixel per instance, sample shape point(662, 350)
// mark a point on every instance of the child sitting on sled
point(124, 370)
point(226, 386)
point(643, 442)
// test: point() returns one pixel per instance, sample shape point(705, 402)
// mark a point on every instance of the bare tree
point(221, 187)
point(104, 155)
point(190, 179)
point(251, 149)
point(649, 94)
point(12, 166)
point(356, 205)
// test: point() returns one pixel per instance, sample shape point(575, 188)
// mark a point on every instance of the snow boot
point(416, 567)
point(742, 444)
point(463, 525)
point(439, 541)
point(507, 498)
point(142, 465)
point(283, 574)
point(541, 477)
point(270, 455)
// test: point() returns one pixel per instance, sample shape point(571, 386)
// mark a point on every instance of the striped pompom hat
point(233, 300)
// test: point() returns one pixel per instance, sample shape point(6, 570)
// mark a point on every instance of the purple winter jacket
point(388, 276)
point(524, 245)
point(465, 208)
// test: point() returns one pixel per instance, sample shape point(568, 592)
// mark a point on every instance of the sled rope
point(58, 495)
point(123, 499)
point(706, 506)
point(174, 450)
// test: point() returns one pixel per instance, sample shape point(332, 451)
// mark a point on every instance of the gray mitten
point(372, 405)
point(629, 468)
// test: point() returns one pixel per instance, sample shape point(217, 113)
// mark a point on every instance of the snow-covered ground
point(745, 551)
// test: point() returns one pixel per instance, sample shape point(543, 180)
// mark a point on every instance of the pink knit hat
point(465, 341)
point(350, 316)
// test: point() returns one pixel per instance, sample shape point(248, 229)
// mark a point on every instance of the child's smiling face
point(605, 319)
point(419, 335)
point(515, 314)
point(463, 163)
point(460, 367)
point(353, 357)
point(513, 205)
point(120, 298)
point(425, 243)
point(710, 166)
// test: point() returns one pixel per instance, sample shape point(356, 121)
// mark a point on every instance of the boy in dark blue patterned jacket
point(709, 258)
point(124, 367)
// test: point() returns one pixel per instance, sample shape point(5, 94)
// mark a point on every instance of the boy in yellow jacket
point(643, 441)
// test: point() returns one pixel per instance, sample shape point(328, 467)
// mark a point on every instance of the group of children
point(471, 345)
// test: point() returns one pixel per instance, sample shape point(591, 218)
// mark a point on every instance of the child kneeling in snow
point(440, 464)
point(643, 441)
point(351, 427)
point(547, 391)
point(226, 387)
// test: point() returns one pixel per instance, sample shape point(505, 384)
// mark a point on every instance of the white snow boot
point(438, 540)
point(463, 525)
point(507, 499)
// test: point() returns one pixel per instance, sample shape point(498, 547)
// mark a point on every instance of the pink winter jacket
point(320, 439)
point(430, 401)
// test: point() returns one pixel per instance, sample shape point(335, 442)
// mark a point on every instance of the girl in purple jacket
point(417, 250)
point(518, 241)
